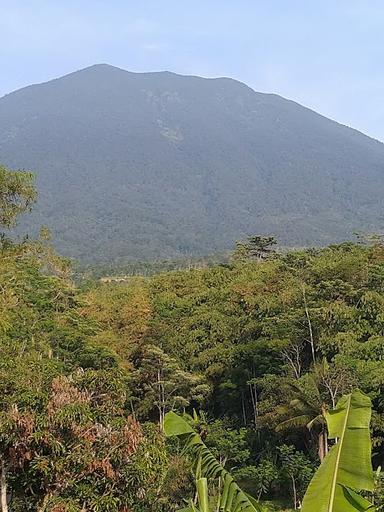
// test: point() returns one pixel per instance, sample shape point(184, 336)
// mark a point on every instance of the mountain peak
point(101, 68)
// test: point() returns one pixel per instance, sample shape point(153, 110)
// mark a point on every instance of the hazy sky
point(326, 54)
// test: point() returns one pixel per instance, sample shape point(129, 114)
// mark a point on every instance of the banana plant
point(231, 498)
point(347, 468)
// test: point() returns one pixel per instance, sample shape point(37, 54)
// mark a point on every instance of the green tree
point(298, 469)
point(163, 385)
point(261, 477)
point(229, 445)
point(255, 247)
point(17, 193)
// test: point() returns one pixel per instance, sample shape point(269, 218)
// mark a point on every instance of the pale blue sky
point(325, 54)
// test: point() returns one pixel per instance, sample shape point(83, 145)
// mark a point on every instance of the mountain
point(158, 165)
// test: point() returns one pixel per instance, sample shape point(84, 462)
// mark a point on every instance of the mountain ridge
point(110, 67)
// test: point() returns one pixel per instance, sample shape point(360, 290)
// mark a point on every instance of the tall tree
point(255, 248)
point(17, 193)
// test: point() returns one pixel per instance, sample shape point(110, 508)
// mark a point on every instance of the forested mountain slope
point(159, 165)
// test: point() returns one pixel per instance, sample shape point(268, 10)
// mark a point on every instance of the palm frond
point(297, 421)
point(319, 420)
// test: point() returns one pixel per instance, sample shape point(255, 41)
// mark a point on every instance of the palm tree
point(307, 409)
point(312, 397)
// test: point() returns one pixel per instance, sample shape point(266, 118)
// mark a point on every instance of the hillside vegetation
point(156, 166)
point(255, 352)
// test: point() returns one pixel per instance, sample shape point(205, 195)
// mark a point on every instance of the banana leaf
point(347, 468)
point(232, 498)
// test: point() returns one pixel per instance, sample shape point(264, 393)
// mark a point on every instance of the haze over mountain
point(158, 165)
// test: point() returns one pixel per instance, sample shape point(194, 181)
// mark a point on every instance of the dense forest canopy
point(255, 352)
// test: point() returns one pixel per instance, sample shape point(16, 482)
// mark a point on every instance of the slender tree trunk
point(4, 487)
point(311, 340)
point(243, 409)
point(333, 398)
point(294, 492)
point(161, 405)
point(132, 409)
point(254, 398)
